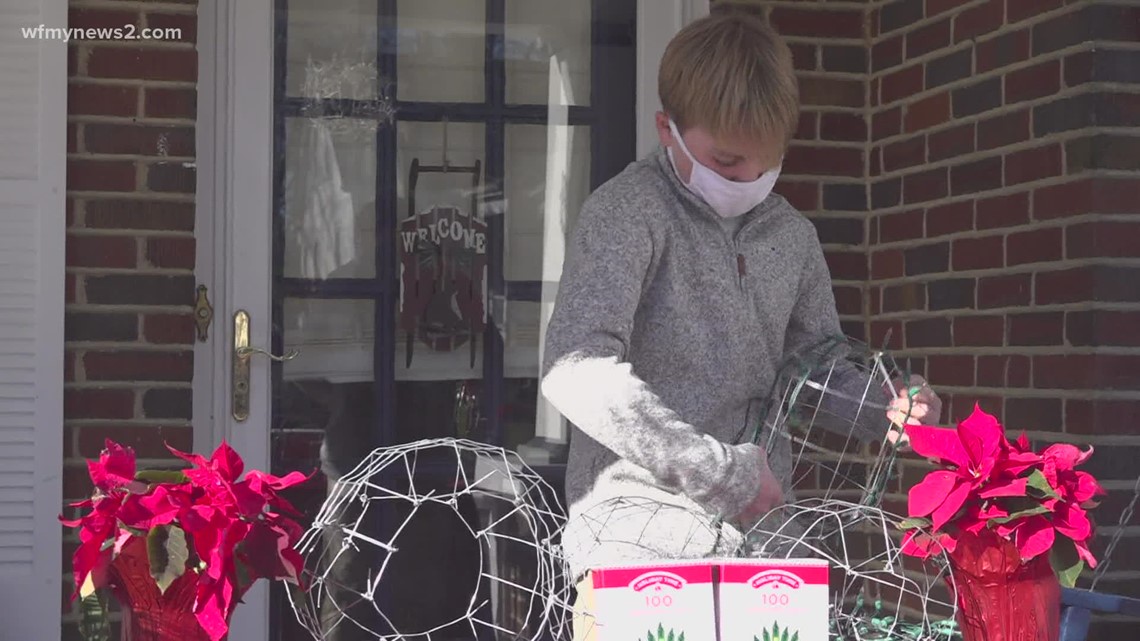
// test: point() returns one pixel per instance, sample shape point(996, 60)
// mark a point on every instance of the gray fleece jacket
point(667, 332)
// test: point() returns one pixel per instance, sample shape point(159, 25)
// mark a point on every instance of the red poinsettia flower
point(988, 484)
point(235, 525)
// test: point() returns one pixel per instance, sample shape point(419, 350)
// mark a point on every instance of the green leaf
point(1040, 509)
point(649, 636)
point(796, 636)
point(670, 637)
point(914, 523)
point(775, 631)
point(766, 636)
point(1067, 564)
point(682, 637)
point(167, 553)
point(161, 476)
point(1037, 481)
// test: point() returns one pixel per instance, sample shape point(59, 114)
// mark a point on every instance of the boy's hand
point(914, 404)
point(768, 493)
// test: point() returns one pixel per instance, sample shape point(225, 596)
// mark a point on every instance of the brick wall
point(130, 240)
point(1004, 192)
point(992, 221)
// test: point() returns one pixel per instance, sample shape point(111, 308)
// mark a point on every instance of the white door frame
point(234, 198)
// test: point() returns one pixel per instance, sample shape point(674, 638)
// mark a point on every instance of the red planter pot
point(999, 597)
point(150, 615)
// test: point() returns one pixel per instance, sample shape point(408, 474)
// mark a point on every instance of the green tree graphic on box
point(661, 635)
point(776, 634)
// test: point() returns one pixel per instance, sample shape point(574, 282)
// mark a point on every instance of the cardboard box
point(671, 601)
point(773, 600)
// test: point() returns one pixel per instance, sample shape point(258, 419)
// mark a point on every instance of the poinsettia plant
point(985, 482)
point(200, 520)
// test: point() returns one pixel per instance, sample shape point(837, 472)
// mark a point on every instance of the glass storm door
point(430, 156)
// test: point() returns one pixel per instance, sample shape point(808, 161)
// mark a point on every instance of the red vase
point(150, 615)
point(999, 597)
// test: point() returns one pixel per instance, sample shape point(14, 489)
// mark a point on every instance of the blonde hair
point(732, 74)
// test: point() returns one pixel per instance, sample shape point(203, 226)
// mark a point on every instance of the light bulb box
point(666, 601)
point(772, 599)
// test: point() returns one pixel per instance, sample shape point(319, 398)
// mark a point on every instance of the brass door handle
point(243, 351)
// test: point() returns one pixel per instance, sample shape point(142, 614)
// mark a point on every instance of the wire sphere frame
point(485, 473)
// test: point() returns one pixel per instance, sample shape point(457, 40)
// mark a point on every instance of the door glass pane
point(547, 41)
point(330, 198)
point(440, 45)
point(331, 50)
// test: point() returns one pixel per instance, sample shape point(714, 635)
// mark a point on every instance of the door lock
point(240, 364)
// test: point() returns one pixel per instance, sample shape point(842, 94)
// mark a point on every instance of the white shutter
point(33, 126)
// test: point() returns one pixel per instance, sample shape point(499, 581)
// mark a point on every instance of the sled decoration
point(443, 270)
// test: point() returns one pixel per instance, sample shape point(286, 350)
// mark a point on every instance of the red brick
point(139, 214)
point(848, 300)
point(185, 24)
point(147, 441)
point(76, 483)
point(1003, 50)
point(979, 331)
point(955, 141)
point(98, 403)
point(143, 63)
point(69, 367)
point(1003, 371)
point(72, 137)
point(1017, 10)
point(926, 39)
point(818, 23)
point(887, 333)
point(1103, 328)
point(138, 140)
point(160, 102)
point(804, 196)
point(804, 56)
point(843, 127)
point(139, 366)
point(101, 251)
point(928, 332)
point(902, 84)
point(976, 176)
point(935, 7)
point(953, 370)
point(847, 265)
point(1096, 195)
point(832, 92)
point(169, 329)
point(928, 112)
point(887, 263)
point(1003, 211)
point(101, 18)
point(808, 127)
point(1064, 371)
point(1034, 246)
point(102, 100)
point(923, 186)
point(977, 253)
point(1028, 414)
point(1063, 286)
point(1037, 81)
point(1006, 129)
point(904, 154)
point(887, 53)
point(1037, 329)
point(171, 252)
point(824, 161)
point(906, 225)
point(100, 175)
point(70, 287)
point(979, 20)
point(950, 218)
point(1034, 164)
point(1090, 416)
point(1103, 239)
point(885, 123)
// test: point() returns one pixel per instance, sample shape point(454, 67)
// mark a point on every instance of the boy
point(686, 283)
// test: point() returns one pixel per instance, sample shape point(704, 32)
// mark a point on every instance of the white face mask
point(726, 197)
